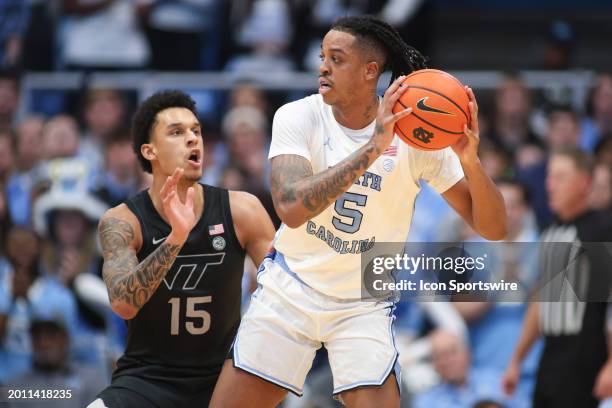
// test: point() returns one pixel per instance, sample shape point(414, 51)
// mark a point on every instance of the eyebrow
point(179, 124)
point(334, 49)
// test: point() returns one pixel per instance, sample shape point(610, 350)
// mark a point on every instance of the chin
point(328, 99)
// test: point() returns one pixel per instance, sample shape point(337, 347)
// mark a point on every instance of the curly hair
point(145, 118)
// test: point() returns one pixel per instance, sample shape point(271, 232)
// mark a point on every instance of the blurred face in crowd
point(567, 186)
point(9, 98)
point(516, 208)
point(563, 130)
point(513, 101)
point(347, 70)
point(493, 160)
point(50, 345)
point(70, 227)
point(601, 193)
point(29, 143)
point(121, 161)
point(176, 141)
point(450, 357)
point(22, 247)
point(248, 95)
point(60, 137)
point(602, 100)
point(6, 153)
point(245, 139)
point(104, 112)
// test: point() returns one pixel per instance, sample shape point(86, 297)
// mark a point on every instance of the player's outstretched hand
point(181, 215)
point(385, 119)
point(466, 147)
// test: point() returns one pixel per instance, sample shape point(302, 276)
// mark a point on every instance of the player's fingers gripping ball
point(439, 105)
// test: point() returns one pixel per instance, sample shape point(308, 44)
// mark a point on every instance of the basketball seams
point(430, 70)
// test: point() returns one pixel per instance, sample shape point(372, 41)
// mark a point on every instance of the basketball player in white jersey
point(341, 180)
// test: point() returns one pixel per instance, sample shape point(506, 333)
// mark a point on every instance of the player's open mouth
point(324, 85)
point(195, 158)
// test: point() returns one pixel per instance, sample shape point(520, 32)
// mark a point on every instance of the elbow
point(123, 310)
point(290, 216)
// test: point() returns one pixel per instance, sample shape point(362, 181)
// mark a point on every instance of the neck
point(181, 188)
point(572, 212)
point(356, 115)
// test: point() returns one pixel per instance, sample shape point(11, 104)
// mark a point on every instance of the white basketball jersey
point(325, 251)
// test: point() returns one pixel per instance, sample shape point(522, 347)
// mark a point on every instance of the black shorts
point(119, 397)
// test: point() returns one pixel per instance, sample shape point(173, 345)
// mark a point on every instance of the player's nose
point(323, 68)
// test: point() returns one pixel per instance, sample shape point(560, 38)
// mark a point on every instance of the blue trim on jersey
point(393, 365)
point(266, 377)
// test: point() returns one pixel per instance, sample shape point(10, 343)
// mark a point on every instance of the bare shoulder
point(250, 217)
point(118, 228)
point(245, 207)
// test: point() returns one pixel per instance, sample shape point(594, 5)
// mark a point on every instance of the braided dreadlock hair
point(401, 58)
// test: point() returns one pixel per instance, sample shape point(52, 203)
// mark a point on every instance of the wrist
point(470, 163)
point(176, 239)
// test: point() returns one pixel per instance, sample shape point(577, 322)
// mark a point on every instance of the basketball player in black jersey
point(173, 264)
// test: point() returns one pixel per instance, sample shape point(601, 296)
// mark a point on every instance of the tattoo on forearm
point(126, 279)
point(319, 191)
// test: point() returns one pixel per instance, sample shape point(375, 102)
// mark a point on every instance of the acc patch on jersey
point(218, 243)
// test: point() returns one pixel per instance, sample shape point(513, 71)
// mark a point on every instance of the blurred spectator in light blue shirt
point(461, 386)
point(24, 292)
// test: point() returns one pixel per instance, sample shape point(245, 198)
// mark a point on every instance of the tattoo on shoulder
point(115, 233)
point(127, 280)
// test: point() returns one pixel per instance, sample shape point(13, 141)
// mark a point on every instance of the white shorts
point(287, 321)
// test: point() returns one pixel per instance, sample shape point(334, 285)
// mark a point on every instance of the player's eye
point(176, 132)
point(321, 57)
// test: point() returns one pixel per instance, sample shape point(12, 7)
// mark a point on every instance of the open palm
point(181, 215)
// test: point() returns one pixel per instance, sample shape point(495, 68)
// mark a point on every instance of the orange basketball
point(439, 110)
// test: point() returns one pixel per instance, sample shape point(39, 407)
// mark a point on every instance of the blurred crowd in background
point(68, 157)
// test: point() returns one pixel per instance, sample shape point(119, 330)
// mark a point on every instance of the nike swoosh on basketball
point(421, 105)
point(157, 241)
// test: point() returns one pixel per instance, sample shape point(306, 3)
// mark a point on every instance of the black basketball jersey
point(575, 346)
point(179, 340)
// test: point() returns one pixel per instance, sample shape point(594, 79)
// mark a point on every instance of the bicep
point(459, 198)
point(117, 237)
point(286, 170)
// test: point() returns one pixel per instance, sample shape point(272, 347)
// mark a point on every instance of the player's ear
point(148, 151)
point(372, 71)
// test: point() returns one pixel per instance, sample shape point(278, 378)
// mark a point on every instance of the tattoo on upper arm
point(127, 280)
point(286, 170)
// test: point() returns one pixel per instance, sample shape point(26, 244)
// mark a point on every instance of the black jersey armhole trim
point(144, 231)
point(227, 216)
